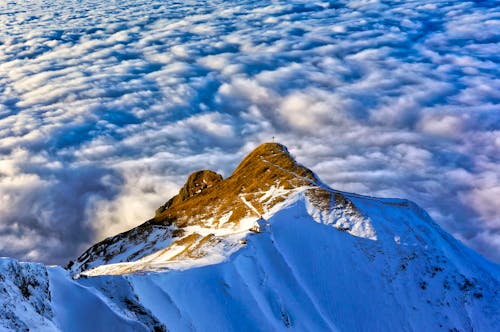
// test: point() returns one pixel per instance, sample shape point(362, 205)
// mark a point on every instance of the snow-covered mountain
point(269, 248)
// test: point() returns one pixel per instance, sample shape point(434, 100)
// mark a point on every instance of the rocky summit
point(210, 210)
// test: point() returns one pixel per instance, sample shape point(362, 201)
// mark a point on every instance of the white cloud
point(311, 111)
point(442, 125)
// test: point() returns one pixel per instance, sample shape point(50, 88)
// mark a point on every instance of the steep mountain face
point(268, 248)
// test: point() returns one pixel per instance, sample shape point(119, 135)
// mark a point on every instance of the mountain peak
point(266, 150)
point(270, 165)
point(208, 209)
point(273, 158)
point(306, 229)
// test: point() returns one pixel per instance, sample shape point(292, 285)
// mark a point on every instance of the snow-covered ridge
point(210, 218)
point(214, 244)
point(282, 252)
point(183, 236)
point(297, 274)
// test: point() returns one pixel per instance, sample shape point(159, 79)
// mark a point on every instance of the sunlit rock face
point(210, 211)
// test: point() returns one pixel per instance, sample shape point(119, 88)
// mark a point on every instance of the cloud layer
point(105, 107)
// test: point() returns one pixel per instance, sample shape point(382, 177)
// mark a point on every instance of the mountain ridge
point(206, 197)
point(268, 248)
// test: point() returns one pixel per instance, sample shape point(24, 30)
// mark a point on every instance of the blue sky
point(105, 107)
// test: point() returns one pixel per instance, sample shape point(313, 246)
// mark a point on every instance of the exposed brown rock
point(207, 198)
point(270, 164)
point(195, 184)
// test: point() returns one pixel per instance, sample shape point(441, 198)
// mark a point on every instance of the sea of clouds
point(106, 106)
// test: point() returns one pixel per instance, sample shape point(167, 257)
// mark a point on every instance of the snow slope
point(297, 274)
point(290, 254)
point(308, 276)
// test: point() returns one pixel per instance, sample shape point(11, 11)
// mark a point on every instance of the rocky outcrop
point(195, 184)
point(24, 296)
